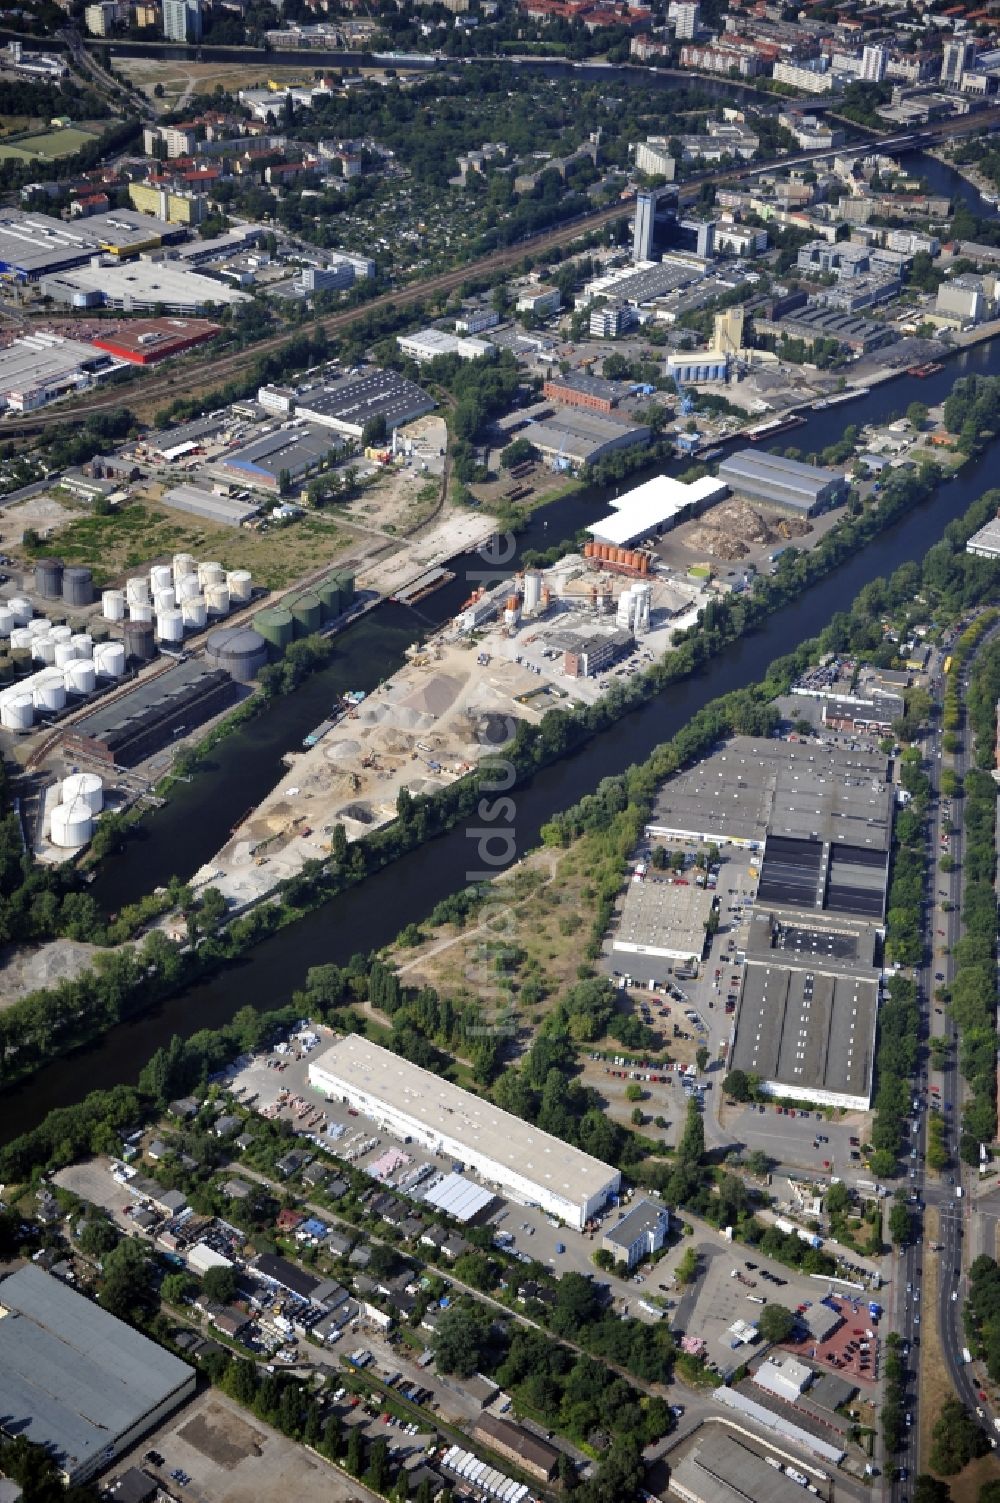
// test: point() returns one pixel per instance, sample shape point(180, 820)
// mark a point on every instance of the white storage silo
point(6, 621)
point(80, 676)
point(40, 626)
point(161, 577)
point(43, 650)
point(532, 590)
point(238, 582)
point(170, 626)
point(164, 600)
point(61, 633)
point(183, 566)
point(48, 690)
point(20, 637)
point(84, 644)
point(65, 653)
point(113, 605)
point(187, 587)
point(87, 786)
point(217, 599)
point(109, 659)
point(642, 596)
point(140, 611)
point(21, 609)
point(137, 590)
point(72, 824)
point(210, 574)
point(194, 613)
point(17, 712)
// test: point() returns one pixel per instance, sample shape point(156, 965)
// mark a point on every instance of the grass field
point(135, 536)
point(534, 920)
point(47, 146)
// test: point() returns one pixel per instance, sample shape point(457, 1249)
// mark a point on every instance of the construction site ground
point(181, 79)
point(454, 533)
point(402, 496)
point(24, 970)
point(455, 698)
point(433, 710)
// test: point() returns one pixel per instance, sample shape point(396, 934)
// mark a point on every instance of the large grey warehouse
point(822, 816)
point(76, 1380)
point(786, 484)
point(582, 437)
point(527, 1165)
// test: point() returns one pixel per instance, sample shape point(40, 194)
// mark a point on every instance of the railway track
point(214, 373)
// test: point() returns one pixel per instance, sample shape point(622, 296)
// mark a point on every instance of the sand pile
point(435, 696)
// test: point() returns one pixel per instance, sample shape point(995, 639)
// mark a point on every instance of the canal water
point(186, 833)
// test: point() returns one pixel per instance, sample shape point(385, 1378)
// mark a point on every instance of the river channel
point(195, 823)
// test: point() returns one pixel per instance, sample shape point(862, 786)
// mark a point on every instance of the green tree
point(737, 1085)
point(355, 1459)
point(776, 1323)
point(687, 1266)
point(758, 1163)
point(98, 1237)
point(928, 1489)
point(219, 1285)
point(957, 1439)
point(126, 1289)
point(461, 1339)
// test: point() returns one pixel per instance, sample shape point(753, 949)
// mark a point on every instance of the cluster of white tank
point(633, 608)
point(72, 821)
point(68, 663)
point(179, 597)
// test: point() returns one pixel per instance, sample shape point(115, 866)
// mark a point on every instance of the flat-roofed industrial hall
point(75, 1379)
point(819, 818)
point(507, 1152)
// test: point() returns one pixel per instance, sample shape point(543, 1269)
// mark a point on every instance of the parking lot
point(718, 1298)
point(798, 1141)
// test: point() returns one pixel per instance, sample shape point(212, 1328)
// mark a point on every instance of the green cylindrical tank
point(346, 583)
point(100, 631)
point(21, 659)
point(276, 627)
point(329, 594)
point(307, 613)
point(6, 670)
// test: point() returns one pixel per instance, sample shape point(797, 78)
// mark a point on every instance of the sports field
point(48, 146)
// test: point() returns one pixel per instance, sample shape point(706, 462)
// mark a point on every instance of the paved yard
point(233, 1458)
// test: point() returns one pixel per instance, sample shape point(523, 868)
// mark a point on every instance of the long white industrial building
point(414, 1104)
point(654, 507)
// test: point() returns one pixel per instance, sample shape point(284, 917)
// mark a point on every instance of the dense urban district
point(499, 687)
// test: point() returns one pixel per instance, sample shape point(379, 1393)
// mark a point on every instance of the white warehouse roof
point(458, 1196)
point(657, 503)
point(785, 1377)
point(502, 1147)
